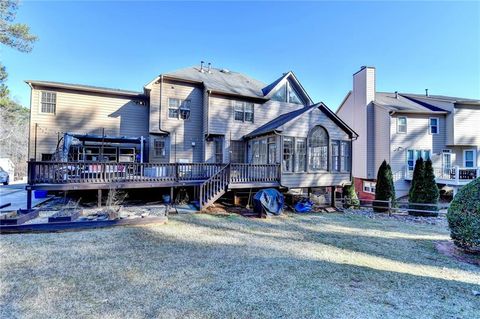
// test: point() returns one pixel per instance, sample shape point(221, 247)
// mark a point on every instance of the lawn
point(203, 266)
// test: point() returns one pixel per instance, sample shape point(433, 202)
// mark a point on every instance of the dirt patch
point(449, 249)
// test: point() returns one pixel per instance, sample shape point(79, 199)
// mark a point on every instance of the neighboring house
point(210, 129)
point(401, 127)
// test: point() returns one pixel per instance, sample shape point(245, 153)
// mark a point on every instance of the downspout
point(161, 108)
point(30, 123)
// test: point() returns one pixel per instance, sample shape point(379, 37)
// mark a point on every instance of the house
point(213, 130)
point(401, 127)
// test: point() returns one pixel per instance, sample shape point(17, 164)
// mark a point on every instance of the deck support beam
point(99, 198)
point(333, 196)
point(29, 199)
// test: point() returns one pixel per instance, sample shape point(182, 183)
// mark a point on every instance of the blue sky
point(434, 45)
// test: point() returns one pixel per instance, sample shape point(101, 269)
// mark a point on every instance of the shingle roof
point(222, 80)
point(434, 98)
point(274, 124)
point(404, 104)
point(84, 87)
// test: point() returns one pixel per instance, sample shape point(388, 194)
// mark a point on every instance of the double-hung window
point(288, 149)
point(48, 102)
point(369, 187)
point(433, 127)
point(243, 111)
point(178, 108)
point(469, 158)
point(159, 147)
point(300, 154)
point(402, 124)
point(340, 156)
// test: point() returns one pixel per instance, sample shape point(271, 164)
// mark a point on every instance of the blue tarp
point(303, 206)
point(269, 200)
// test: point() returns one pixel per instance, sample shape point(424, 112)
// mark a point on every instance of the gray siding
point(301, 127)
point(381, 142)
point(183, 132)
point(84, 113)
point(417, 137)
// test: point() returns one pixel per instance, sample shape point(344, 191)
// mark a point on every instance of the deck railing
point(455, 174)
point(84, 172)
point(247, 173)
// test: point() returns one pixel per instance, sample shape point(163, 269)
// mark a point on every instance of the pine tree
point(392, 185)
point(430, 188)
point(416, 193)
point(384, 190)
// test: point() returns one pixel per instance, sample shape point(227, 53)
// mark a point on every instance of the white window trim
point(369, 191)
point(244, 110)
point(430, 125)
point(180, 107)
point(40, 103)
point(474, 157)
point(398, 124)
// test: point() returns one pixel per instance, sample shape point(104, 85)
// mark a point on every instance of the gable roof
point(82, 87)
point(270, 89)
point(231, 82)
point(441, 98)
point(273, 125)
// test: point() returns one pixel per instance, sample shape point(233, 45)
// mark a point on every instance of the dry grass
point(201, 266)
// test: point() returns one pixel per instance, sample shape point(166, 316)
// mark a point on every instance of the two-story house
point(210, 129)
point(401, 127)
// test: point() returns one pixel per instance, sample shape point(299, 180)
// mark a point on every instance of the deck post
point(309, 192)
point(29, 198)
point(236, 199)
point(334, 196)
point(171, 195)
point(99, 198)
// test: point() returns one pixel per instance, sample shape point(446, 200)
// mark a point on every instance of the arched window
point(318, 149)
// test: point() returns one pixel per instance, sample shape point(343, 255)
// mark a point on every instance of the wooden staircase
point(214, 187)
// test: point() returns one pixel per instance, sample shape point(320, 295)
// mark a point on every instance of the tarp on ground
point(269, 200)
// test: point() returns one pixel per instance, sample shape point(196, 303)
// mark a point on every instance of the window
point(341, 156)
point(433, 125)
point(345, 156)
point(218, 150)
point(243, 111)
point(286, 93)
point(159, 147)
point(281, 94)
point(300, 154)
point(178, 109)
point(272, 150)
point(469, 158)
point(369, 187)
point(288, 154)
point(413, 155)
point(238, 151)
point(49, 102)
point(292, 95)
point(262, 158)
point(318, 149)
point(336, 156)
point(402, 124)
point(47, 157)
point(446, 162)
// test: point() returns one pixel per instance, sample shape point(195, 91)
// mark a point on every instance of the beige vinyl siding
point(184, 132)
point(417, 137)
point(84, 113)
point(222, 122)
point(381, 139)
point(300, 127)
point(467, 125)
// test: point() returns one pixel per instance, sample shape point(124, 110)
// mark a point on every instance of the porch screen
point(318, 149)
point(238, 151)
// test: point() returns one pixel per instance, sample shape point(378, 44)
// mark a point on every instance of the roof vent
point(396, 94)
point(201, 66)
point(225, 70)
point(209, 67)
point(426, 92)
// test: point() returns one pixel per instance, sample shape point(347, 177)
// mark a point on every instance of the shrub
point(384, 190)
point(350, 196)
point(424, 189)
point(464, 217)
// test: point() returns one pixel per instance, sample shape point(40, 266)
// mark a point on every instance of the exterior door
point(446, 163)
